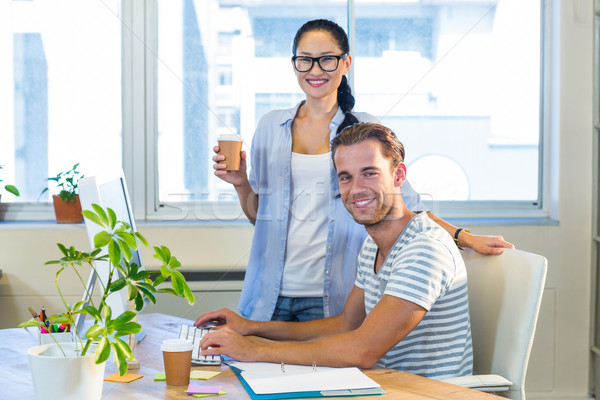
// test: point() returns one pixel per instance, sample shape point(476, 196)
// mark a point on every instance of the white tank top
point(307, 231)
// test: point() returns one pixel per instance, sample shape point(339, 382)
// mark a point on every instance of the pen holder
point(60, 337)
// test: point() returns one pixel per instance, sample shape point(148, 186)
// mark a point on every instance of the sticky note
point(201, 389)
point(123, 379)
point(160, 376)
point(221, 393)
point(205, 375)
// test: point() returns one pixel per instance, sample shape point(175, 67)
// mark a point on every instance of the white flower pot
point(58, 377)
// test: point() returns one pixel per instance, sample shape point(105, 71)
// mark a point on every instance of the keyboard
point(195, 335)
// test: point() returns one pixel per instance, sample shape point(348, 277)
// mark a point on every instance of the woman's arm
point(480, 243)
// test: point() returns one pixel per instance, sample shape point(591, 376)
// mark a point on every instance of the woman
point(302, 263)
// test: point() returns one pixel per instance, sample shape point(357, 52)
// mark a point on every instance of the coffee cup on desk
point(177, 356)
point(230, 146)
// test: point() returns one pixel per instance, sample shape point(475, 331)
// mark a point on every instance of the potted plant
point(114, 244)
point(9, 188)
point(67, 206)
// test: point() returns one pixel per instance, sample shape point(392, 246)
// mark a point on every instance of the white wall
point(560, 359)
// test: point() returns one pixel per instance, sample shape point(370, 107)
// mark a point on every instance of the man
point(409, 307)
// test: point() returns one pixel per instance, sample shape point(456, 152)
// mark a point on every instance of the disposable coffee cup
point(177, 355)
point(230, 146)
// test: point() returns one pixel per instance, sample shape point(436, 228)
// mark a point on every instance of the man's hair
point(391, 148)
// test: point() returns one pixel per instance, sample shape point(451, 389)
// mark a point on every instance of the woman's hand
point(484, 244)
point(236, 178)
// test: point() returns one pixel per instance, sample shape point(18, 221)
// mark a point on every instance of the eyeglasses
point(326, 63)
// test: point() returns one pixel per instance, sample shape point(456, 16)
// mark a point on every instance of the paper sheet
point(202, 389)
point(124, 379)
point(204, 375)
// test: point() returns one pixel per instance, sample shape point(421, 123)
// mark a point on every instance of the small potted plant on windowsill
point(50, 363)
point(67, 206)
point(9, 188)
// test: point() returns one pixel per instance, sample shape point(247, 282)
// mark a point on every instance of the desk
point(15, 378)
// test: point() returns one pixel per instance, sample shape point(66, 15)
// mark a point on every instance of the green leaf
point(129, 327)
point(168, 290)
point(101, 214)
point(119, 358)
point(165, 250)
point(141, 238)
point(112, 218)
point(141, 275)
point(177, 280)
point(31, 322)
point(188, 294)
point(78, 305)
point(63, 319)
point(159, 279)
point(94, 332)
point(114, 252)
point(101, 239)
point(124, 317)
point(174, 263)
point(139, 303)
point(128, 238)
point(159, 254)
point(118, 284)
point(107, 311)
point(92, 217)
point(12, 189)
point(62, 248)
point(125, 250)
point(93, 312)
point(131, 291)
point(102, 351)
point(125, 348)
point(148, 294)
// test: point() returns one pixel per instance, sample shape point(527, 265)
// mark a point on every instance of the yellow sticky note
point(124, 379)
point(221, 393)
point(205, 375)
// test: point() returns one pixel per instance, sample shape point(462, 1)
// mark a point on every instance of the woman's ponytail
point(346, 102)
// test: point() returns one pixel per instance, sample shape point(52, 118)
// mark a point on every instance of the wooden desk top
point(15, 378)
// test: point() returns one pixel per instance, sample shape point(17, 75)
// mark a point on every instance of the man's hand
point(225, 317)
point(230, 343)
point(484, 244)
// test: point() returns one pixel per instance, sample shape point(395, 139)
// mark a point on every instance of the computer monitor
point(109, 191)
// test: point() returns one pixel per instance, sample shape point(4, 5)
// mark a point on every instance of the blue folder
point(299, 395)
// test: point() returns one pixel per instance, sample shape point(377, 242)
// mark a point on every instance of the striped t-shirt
point(425, 268)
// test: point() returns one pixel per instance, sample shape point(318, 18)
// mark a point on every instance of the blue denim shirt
point(270, 178)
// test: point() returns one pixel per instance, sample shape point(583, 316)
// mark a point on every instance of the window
point(60, 91)
point(458, 81)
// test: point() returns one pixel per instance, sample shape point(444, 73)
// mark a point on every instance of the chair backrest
point(505, 293)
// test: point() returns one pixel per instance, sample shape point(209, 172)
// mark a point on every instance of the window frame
point(140, 153)
point(457, 210)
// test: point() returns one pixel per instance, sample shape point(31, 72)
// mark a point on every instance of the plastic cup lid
point(230, 137)
point(176, 345)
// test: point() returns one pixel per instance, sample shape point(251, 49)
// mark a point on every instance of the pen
point(43, 316)
point(34, 314)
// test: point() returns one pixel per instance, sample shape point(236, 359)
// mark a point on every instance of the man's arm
point(387, 324)
point(350, 318)
point(480, 243)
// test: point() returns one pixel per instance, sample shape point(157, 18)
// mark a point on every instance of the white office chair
point(505, 293)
